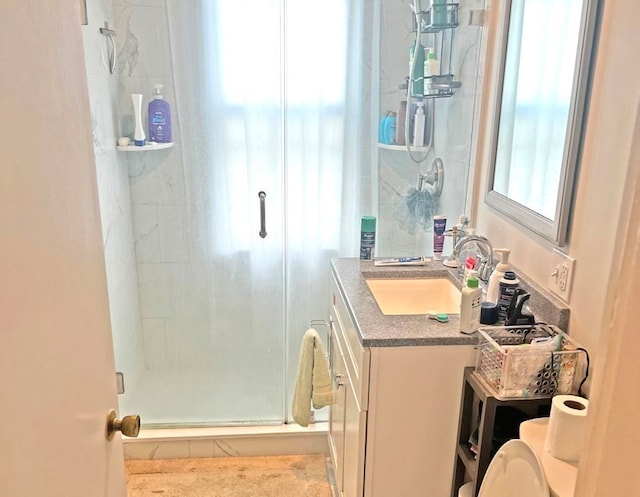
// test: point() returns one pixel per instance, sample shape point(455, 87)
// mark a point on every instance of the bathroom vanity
point(397, 378)
point(393, 425)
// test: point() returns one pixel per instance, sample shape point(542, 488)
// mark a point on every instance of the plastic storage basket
point(515, 364)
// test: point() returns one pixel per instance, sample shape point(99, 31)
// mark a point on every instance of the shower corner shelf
point(145, 148)
point(401, 148)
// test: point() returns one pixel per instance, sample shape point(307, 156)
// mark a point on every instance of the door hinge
point(120, 382)
point(84, 18)
point(476, 17)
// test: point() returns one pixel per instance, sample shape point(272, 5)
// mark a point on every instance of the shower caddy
point(440, 24)
point(443, 84)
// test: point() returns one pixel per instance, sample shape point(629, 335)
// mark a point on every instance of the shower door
point(213, 322)
point(239, 276)
point(210, 254)
point(212, 304)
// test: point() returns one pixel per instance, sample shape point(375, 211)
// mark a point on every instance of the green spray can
point(367, 237)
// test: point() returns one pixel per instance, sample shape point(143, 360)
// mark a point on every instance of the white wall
point(602, 176)
point(610, 464)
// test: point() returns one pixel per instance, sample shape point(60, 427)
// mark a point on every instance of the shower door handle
point(263, 215)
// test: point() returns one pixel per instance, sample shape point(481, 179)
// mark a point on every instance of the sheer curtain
point(536, 100)
point(261, 90)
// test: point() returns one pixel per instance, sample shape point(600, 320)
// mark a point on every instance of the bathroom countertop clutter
point(376, 329)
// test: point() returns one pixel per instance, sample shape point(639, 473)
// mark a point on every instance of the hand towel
point(313, 382)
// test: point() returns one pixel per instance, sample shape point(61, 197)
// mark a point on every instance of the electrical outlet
point(561, 275)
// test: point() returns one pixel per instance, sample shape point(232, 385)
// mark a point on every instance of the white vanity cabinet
point(393, 426)
point(348, 414)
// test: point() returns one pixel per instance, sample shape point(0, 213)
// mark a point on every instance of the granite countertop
point(379, 330)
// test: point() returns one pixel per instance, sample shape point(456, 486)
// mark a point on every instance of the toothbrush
point(402, 261)
point(438, 316)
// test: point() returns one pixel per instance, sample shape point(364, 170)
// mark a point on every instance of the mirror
point(536, 134)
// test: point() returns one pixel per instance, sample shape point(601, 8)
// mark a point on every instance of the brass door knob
point(128, 425)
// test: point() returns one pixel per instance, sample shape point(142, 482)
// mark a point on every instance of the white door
point(56, 356)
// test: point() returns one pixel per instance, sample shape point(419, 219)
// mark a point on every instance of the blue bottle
point(159, 117)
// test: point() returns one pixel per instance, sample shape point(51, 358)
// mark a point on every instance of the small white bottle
point(493, 288)
point(470, 304)
point(418, 126)
point(138, 135)
point(427, 52)
point(434, 65)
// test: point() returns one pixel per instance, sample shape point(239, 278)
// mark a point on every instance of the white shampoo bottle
point(138, 135)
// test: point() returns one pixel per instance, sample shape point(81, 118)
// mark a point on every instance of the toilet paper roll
point(566, 431)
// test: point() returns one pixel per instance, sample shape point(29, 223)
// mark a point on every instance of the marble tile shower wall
point(114, 197)
point(453, 130)
point(169, 292)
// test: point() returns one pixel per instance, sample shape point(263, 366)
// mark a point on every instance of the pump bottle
point(470, 304)
point(159, 117)
point(493, 287)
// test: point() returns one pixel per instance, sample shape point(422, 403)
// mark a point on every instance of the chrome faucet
point(486, 249)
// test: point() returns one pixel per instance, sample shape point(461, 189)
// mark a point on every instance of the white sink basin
point(415, 295)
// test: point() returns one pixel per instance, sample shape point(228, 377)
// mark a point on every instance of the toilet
point(524, 468)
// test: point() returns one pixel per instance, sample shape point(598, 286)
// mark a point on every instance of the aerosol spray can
point(367, 237)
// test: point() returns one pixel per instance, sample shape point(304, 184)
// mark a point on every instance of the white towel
point(313, 382)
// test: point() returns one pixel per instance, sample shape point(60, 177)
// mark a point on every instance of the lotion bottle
point(159, 117)
point(493, 287)
point(470, 304)
point(138, 135)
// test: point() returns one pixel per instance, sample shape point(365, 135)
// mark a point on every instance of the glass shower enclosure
point(218, 248)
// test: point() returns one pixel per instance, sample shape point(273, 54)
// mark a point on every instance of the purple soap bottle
point(159, 117)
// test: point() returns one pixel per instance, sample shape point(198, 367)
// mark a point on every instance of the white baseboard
point(177, 443)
